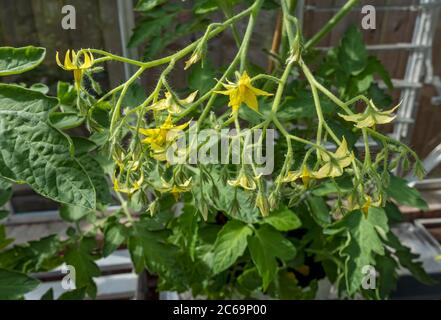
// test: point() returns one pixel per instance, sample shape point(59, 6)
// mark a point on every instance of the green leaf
point(3, 215)
point(288, 288)
point(265, 245)
point(5, 195)
point(35, 256)
point(352, 53)
point(375, 66)
point(230, 244)
point(114, 237)
point(48, 295)
point(4, 242)
point(13, 285)
point(319, 211)
point(363, 242)
point(34, 152)
point(80, 257)
point(66, 94)
point(409, 260)
point(341, 184)
point(40, 87)
point(283, 219)
point(249, 279)
point(248, 212)
point(65, 121)
point(387, 268)
point(98, 177)
point(403, 194)
point(77, 294)
point(72, 213)
point(19, 60)
point(149, 249)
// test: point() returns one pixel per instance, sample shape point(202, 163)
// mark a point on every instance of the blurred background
point(407, 39)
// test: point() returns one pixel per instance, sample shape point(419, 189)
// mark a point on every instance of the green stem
point(248, 33)
point(331, 24)
point(117, 111)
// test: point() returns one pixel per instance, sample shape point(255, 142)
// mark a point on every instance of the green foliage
point(13, 285)
point(265, 246)
point(34, 152)
point(230, 244)
point(193, 226)
point(19, 60)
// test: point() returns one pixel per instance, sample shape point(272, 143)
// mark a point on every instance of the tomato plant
point(322, 209)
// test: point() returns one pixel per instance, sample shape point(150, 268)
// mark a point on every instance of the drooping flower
point(371, 117)
point(171, 105)
point(243, 92)
point(335, 162)
point(244, 181)
point(305, 175)
point(174, 189)
point(129, 170)
point(129, 187)
point(157, 138)
point(75, 64)
point(368, 203)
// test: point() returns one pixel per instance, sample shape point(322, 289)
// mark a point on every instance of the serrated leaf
point(403, 194)
point(13, 285)
point(80, 257)
point(19, 60)
point(149, 249)
point(352, 53)
point(34, 152)
point(265, 246)
point(363, 241)
point(283, 219)
point(35, 256)
point(409, 260)
point(230, 244)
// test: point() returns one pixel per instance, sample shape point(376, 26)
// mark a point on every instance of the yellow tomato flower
point(243, 91)
point(157, 138)
point(174, 189)
point(335, 164)
point(366, 205)
point(305, 175)
point(169, 104)
point(243, 181)
point(74, 64)
point(128, 188)
point(371, 116)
